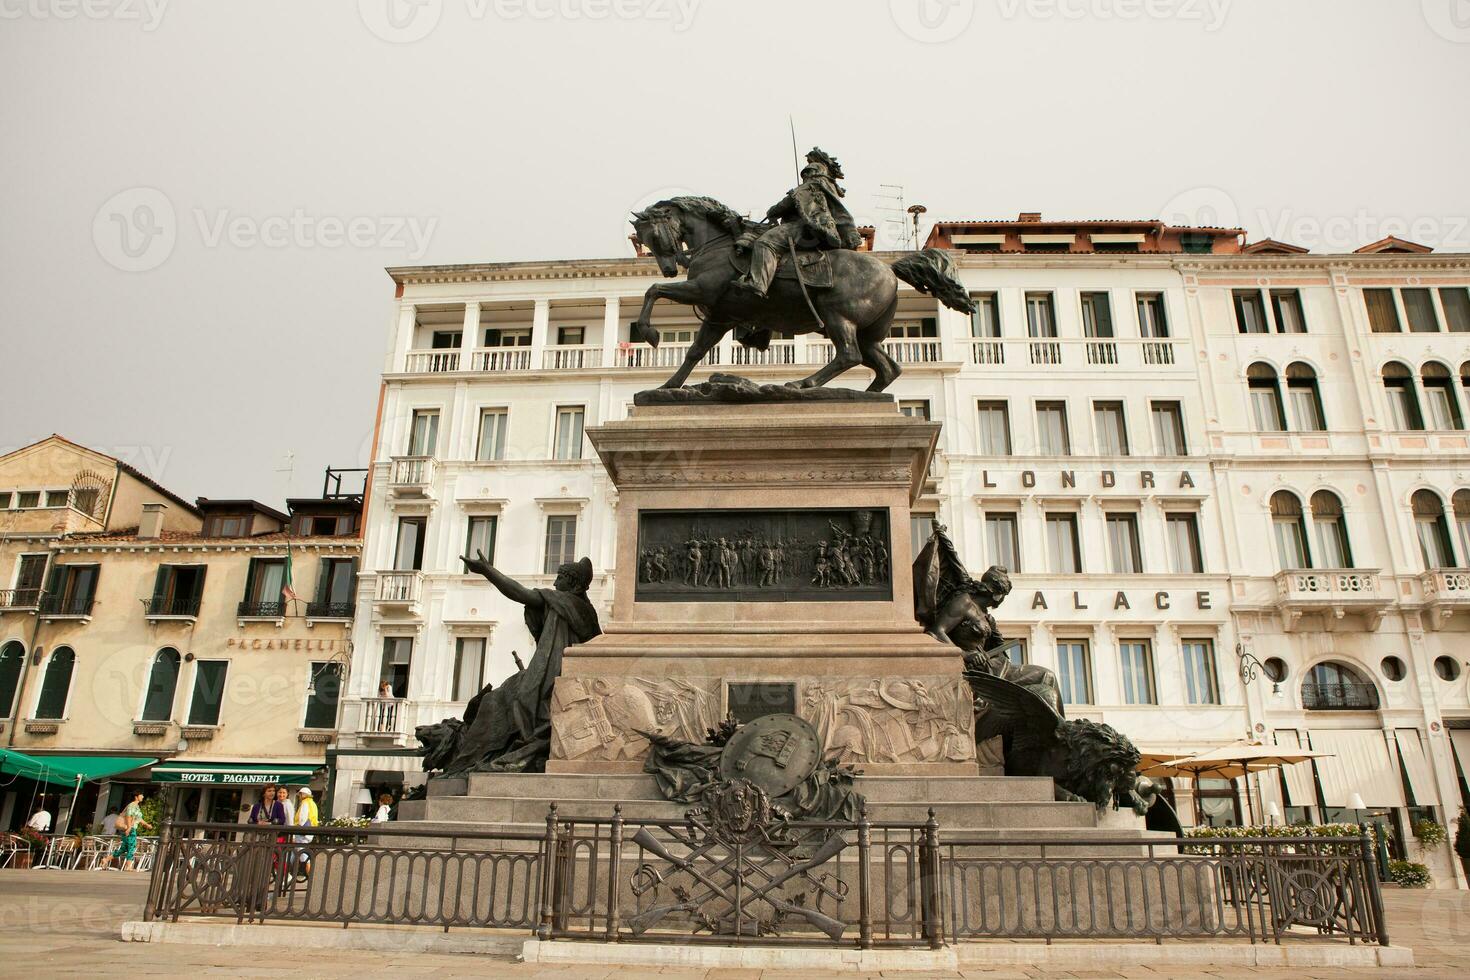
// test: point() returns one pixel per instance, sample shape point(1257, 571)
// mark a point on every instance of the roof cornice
point(1332, 262)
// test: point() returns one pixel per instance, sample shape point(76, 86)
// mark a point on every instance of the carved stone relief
point(888, 720)
point(600, 718)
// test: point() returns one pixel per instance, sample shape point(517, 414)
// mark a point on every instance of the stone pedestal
point(787, 487)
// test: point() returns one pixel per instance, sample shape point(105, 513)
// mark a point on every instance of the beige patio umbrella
point(1234, 761)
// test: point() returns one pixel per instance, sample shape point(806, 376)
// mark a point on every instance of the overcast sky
point(199, 198)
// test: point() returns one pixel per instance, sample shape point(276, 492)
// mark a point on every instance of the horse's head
point(661, 232)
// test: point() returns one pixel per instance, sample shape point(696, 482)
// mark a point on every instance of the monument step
point(878, 789)
point(530, 810)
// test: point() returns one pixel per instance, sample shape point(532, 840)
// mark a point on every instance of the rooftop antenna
point(289, 468)
point(894, 221)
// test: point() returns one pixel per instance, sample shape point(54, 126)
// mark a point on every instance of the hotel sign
point(1107, 479)
point(303, 644)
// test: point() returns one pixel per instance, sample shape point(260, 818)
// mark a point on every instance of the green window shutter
point(11, 656)
point(209, 691)
point(163, 680)
point(250, 580)
point(198, 594)
point(56, 684)
point(160, 589)
point(321, 706)
point(323, 579)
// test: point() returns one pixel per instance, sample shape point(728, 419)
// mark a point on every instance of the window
point(1333, 550)
point(1433, 532)
point(324, 525)
point(56, 684)
point(561, 542)
point(1462, 520)
point(1306, 398)
point(1337, 687)
point(1286, 304)
point(263, 583)
point(571, 336)
point(227, 526)
point(5, 500)
point(83, 499)
point(1168, 428)
point(1051, 429)
point(28, 499)
point(995, 429)
point(985, 321)
point(209, 691)
point(1439, 395)
point(481, 536)
point(1419, 308)
point(177, 590)
point(423, 437)
point(1074, 671)
point(1185, 557)
point(1200, 680)
point(408, 555)
point(1265, 391)
point(1456, 303)
point(1250, 312)
point(508, 337)
point(1040, 318)
point(1015, 651)
point(12, 655)
point(920, 527)
point(71, 591)
point(30, 576)
point(163, 681)
point(1403, 404)
point(1062, 551)
point(446, 339)
point(1112, 433)
point(1218, 802)
point(569, 432)
point(336, 582)
point(1097, 315)
point(915, 329)
point(493, 422)
point(1196, 243)
point(1446, 668)
point(1138, 672)
point(1151, 319)
point(323, 689)
point(1290, 530)
point(56, 498)
point(397, 658)
point(1383, 314)
point(469, 666)
point(917, 408)
point(1002, 541)
point(1123, 551)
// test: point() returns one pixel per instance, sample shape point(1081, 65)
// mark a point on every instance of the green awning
point(65, 770)
point(232, 773)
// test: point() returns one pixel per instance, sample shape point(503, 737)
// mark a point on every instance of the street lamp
point(1251, 668)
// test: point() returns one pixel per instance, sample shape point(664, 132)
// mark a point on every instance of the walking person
point(128, 823)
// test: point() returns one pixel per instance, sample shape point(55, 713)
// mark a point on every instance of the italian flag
point(288, 593)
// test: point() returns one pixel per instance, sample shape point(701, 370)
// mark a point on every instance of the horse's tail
point(932, 271)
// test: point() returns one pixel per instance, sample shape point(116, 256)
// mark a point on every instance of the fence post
point(548, 875)
point(161, 863)
point(929, 882)
point(865, 879)
point(614, 884)
point(1375, 894)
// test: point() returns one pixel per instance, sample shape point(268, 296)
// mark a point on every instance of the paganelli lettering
point(764, 556)
point(304, 644)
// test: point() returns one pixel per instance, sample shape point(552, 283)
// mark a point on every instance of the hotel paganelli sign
point(303, 644)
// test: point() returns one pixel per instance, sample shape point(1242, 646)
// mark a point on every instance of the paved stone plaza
point(66, 924)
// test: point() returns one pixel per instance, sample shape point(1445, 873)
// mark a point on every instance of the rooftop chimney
point(1030, 216)
point(151, 522)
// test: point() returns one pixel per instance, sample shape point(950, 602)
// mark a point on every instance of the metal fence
point(855, 884)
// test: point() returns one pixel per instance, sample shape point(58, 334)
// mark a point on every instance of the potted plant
point(1409, 874)
point(36, 843)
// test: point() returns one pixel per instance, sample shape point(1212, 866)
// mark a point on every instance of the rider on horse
point(811, 215)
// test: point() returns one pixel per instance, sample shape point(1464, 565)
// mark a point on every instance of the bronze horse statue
point(855, 312)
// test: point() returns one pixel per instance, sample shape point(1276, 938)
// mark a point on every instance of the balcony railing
point(61, 605)
point(1108, 353)
point(1339, 696)
point(330, 610)
point(399, 587)
point(1328, 584)
point(432, 361)
point(411, 475)
point(571, 358)
point(987, 351)
point(1446, 583)
point(780, 352)
point(901, 350)
point(176, 606)
point(19, 598)
point(383, 716)
point(259, 609)
point(501, 359)
point(663, 356)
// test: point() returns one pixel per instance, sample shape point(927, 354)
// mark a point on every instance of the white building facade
point(1122, 429)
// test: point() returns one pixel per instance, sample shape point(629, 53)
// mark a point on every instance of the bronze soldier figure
point(811, 215)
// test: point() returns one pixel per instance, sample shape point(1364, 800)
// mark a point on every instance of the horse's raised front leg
point(843, 335)
point(707, 337)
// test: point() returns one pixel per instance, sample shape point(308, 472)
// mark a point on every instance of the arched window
point(1290, 529)
point(1462, 521)
point(56, 684)
point(1337, 687)
point(1403, 403)
point(11, 657)
point(1433, 532)
point(1306, 398)
point(1266, 407)
point(1333, 550)
point(1439, 393)
point(163, 680)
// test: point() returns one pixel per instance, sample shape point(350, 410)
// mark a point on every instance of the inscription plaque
point(749, 700)
point(838, 554)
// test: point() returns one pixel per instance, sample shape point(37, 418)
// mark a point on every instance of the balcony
point(432, 361)
point(161, 607)
point(779, 353)
point(663, 356)
point(1339, 696)
point(904, 351)
point(273, 610)
point(20, 600)
point(1331, 592)
point(1446, 592)
point(399, 590)
point(499, 359)
point(329, 610)
point(66, 607)
point(1113, 353)
point(384, 718)
point(571, 358)
point(411, 477)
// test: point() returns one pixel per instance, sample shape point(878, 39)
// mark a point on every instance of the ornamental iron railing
point(331, 610)
point(56, 604)
point(1339, 696)
point(734, 881)
point(173, 606)
point(20, 598)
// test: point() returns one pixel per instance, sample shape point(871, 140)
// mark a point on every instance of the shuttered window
point(323, 689)
point(209, 691)
point(163, 681)
point(56, 684)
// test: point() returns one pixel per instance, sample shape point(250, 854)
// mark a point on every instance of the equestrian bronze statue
point(798, 271)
